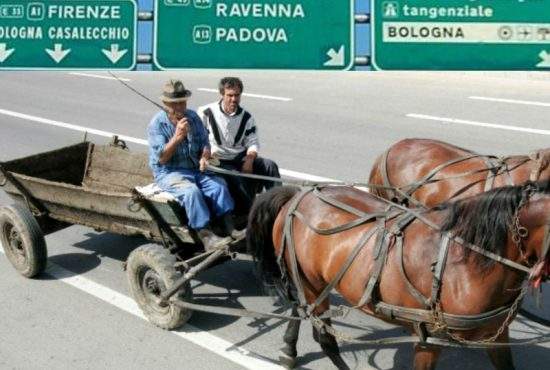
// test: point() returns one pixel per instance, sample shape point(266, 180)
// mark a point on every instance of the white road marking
point(98, 76)
point(250, 95)
point(191, 333)
point(69, 126)
point(305, 176)
point(511, 101)
point(130, 139)
point(479, 124)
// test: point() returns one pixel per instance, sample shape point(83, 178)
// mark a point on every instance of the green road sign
point(461, 34)
point(273, 34)
point(60, 34)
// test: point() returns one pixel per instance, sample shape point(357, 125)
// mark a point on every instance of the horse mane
point(484, 219)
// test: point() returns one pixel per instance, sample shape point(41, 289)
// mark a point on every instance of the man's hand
point(202, 164)
point(205, 157)
point(182, 128)
point(248, 165)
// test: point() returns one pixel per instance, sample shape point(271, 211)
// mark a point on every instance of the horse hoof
point(287, 361)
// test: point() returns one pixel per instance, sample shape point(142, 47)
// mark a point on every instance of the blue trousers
point(199, 193)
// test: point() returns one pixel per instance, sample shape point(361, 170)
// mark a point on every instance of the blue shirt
point(188, 152)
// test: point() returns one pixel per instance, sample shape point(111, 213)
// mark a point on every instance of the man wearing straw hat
point(178, 154)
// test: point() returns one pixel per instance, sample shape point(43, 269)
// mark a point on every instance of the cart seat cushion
point(154, 193)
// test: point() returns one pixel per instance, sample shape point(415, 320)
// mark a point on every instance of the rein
point(307, 183)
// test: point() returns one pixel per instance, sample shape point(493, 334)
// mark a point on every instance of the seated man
point(234, 140)
point(178, 153)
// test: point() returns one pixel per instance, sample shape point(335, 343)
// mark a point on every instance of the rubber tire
point(154, 259)
point(32, 239)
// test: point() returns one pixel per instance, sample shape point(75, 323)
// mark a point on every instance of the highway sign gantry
point(58, 34)
point(460, 34)
point(280, 34)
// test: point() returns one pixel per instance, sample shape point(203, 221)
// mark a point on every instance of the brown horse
point(433, 171)
point(304, 240)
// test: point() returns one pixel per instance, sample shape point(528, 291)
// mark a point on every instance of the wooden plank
point(114, 168)
point(120, 160)
point(61, 165)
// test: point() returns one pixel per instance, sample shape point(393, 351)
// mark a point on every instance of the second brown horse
point(431, 171)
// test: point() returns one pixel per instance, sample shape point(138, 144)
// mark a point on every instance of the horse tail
point(259, 230)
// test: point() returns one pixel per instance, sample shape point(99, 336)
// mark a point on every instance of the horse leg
point(326, 340)
point(288, 354)
point(501, 357)
point(329, 345)
point(425, 356)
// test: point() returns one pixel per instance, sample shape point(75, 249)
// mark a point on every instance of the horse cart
point(108, 188)
point(365, 247)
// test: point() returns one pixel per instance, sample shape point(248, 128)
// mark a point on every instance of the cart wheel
point(23, 240)
point(151, 269)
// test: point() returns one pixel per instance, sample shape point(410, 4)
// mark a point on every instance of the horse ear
point(545, 157)
point(542, 155)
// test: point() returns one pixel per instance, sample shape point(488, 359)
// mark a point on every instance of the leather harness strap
point(454, 322)
point(412, 290)
point(358, 221)
point(384, 169)
point(415, 186)
point(288, 241)
point(439, 267)
point(495, 166)
point(336, 203)
point(345, 267)
point(379, 255)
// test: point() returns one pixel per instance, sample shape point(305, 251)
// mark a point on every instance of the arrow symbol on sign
point(4, 53)
point(336, 57)
point(114, 54)
point(545, 60)
point(58, 53)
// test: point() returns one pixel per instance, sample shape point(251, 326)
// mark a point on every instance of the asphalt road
point(79, 314)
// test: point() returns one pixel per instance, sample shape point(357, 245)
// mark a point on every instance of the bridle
point(519, 233)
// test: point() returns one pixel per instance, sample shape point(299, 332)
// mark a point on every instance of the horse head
point(510, 221)
point(530, 229)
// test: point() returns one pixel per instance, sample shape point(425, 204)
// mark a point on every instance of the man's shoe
point(238, 234)
point(229, 226)
point(211, 241)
